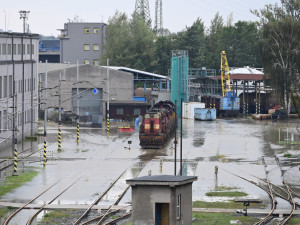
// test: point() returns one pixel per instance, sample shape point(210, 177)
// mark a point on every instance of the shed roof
point(239, 77)
point(162, 180)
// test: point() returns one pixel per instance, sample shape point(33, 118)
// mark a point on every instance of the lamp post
point(24, 16)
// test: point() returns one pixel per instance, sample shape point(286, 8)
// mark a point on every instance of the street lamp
point(24, 16)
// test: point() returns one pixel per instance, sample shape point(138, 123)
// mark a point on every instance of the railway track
point(272, 193)
point(22, 207)
point(97, 200)
point(43, 206)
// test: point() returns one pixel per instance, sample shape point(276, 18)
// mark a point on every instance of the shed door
point(162, 214)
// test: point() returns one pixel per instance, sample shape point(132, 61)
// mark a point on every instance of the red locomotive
point(158, 125)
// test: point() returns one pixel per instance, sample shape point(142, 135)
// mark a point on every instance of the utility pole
point(24, 16)
point(15, 113)
point(15, 136)
point(45, 115)
point(59, 113)
point(181, 137)
point(77, 103)
point(158, 18)
point(175, 141)
point(107, 115)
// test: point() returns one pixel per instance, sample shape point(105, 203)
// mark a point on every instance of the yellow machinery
point(229, 102)
point(225, 72)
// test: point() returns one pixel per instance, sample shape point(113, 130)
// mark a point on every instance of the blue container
point(139, 99)
point(205, 114)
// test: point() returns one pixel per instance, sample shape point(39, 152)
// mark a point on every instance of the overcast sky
point(47, 16)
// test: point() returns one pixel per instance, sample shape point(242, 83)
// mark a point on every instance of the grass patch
point(294, 221)
point(221, 218)
point(287, 155)
point(225, 188)
point(226, 205)
point(32, 138)
point(4, 211)
point(85, 150)
point(13, 182)
point(226, 194)
point(52, 217)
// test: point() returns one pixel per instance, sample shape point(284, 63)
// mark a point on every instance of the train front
point(151, 135)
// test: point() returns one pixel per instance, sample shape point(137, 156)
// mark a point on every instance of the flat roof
point(162, 180)
point(239, 77)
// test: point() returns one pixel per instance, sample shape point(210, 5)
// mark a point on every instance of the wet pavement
point(236, 146)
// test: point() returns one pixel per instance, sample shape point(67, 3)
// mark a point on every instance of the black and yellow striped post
point(59, 136)
point(15, 157)
point(107, 124)
point(45, 149)
point(77, 133)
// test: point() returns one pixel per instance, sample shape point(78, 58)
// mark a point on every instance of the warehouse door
point(90, 106)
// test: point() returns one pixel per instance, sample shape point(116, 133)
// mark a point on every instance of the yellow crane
point(225, 72)
point(229, 102)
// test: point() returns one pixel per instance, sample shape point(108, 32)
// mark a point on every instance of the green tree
point(116, 47)
point(141, 45)
point(280, 46)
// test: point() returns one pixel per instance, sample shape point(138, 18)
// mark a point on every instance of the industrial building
point(93, 92)
point(49, 50)
point(18, 86)
point(82, 42)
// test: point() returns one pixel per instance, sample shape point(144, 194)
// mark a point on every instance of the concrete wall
point(90, 77)
point(11, 62)
point(145, 197)
point(72, 43)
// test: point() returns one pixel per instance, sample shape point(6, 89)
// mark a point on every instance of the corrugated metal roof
point(126, 69)
point(238, 77)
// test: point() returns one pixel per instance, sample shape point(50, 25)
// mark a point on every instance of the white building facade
point(18, 86)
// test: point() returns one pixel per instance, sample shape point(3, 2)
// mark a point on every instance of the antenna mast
point(158, 18)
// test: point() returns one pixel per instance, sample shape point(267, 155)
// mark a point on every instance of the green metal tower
point(179, 77)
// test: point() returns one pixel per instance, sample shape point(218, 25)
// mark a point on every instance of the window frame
point(86, 47)
point(96, 30)
point(87, 30)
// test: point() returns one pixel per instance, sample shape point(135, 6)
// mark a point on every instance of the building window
point(119, 111)
point(137, 111)
point(24, 48)
point(10, 87)
point(3, 49)
point(4, 120)
point(19, 49)
point(0, 121)
point(86, 47)
point(28, 49)
point(1, 87)
point(32, 49)
point(87, 30)
point(96, 47)
point(178, 208)
point(96, 31)
point(14, 49)
point(5, 87)
point(86, 61)
point(8, 49)
point(96, 62)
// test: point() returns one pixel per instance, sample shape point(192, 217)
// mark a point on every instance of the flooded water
point(236, 146)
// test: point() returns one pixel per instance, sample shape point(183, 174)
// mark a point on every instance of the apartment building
point(18, 86)
point(83, 42)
